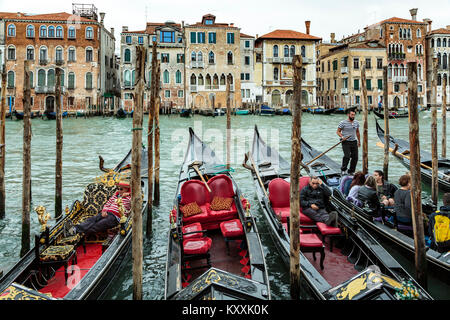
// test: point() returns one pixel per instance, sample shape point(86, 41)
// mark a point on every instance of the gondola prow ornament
point(43, 216)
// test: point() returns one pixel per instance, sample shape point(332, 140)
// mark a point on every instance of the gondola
point(121, 114)
point(266, 111)
point(322, 110)
point(20, 115)
point(98, 258)
point(185, 113)
point(219, 112)
point(391, 115)
point(353, 265)
point(242, 112)
point(215, 254)
point(207, 112)
point(425, 159)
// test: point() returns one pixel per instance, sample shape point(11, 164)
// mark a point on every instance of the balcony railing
point(48, 89)
point(344, 90)
point(344, 69)
point(43, 61)
point(59, 62)
point(400, 79)
point(287, 59)
point(196, 64)
point(193, 88)
point(276, 59)
point(396, 56)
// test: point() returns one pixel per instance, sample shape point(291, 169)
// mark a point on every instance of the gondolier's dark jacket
point(319, 197)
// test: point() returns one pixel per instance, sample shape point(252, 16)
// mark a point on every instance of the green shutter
point(193, 37)
point(356, 84)
point(380, 84)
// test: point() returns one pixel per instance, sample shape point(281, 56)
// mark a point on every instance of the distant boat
point(121, 114)
point(266, 111)
point(50, 115)
point(219, 112)
point(80, 113)
point(319, 110)
point(185, 113)
point(207, 112)
point(242, 112)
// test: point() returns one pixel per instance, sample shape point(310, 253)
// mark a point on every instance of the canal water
point(86, 139)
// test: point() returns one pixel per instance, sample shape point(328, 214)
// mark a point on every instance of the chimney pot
point(308, 25)
point(124, 28)
point(413, 13)
point(332, 37)
point(102, 17)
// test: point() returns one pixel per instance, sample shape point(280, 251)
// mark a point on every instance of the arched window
point(31, 79)
point(59, 32)
point(59, 54)
point(395, 70)
point(71, 80)
point(201, 82)
point(444, 61)
point(166, 76)
point(11, 30)
point(72, 54)
point(30, 53)
point(88, 80)
point(193, 56)
point(230, 57)
point(286, 51)
point(127, 78)
point(438, 42)
point(43, 32)
point(215, 81)
point(409, 33)
point(127, 55)
point(30, 31)
point(439, 59)
point(89, 54)
point(439, 80)
point(419, 71)
point(211, 57)
point(43, 54)
point(292, 51)
point(62, 77)
point(432, 43)
point(200, 56)
point(89, 33)
point(222, 80)
point(178, 77)
point(208, 81)
point(276, 97)
point(390, 71)
point(71, 33)
point(275, 51)
point(51, 78)
point(41, 78)
point(11, 80)
point(303, 49)
point(444, 42)
point(51, 32)
point(275, 74)
point(400, 33)
point(419, 33)
point(405, 34)
point(193, 80)
point(11, 53)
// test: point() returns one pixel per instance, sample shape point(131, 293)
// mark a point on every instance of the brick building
point(72, 42)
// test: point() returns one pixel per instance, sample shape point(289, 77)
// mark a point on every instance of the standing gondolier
point(349, 128)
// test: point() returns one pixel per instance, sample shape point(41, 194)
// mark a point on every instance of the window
point(30, 31)
point(247, 60)
point(71, 80)
point(89, 35)
point(167, 93)
point(200, 37)
point(258, 57)
point(71, 56)
point(127, 55)
point(379, 63)
point(355, 63)
point(59, 32)
point(164, 58)
point(11, 79)
point(247, 76)
point(43, 32)
point(88, 80)
point(193, 37)
point(369, 84)
point(71, 33)
point(329, 68)
point(230, 38)
point(200, 80)
point(128, 39)
point(59, 54)
point(335, 65)
point(127, 78)
point(200, 56)
point(396, 87)
point(62, 78)
point(275, 51)
point(167, 36)
point(230, 57)
point(51, 78)
point(30, 53)
point(141, 40)
point(180, 93)
point(368, 63)
point(211, 37)
point(41, 78)
point(11, 53)
point(222, 80)
point(380, 84)
point(438, 42)
point(51, 32)
point(286, 51)
point(180, 58)
point(356, 84)
point(275, 74)
point(292, 51)
point(369, 100)
point(178, 77)
point(211, 58)
point(208, 21)
point(193, 56)
point(419, 33)
point(166, 77)
point(89, 55)
point(247, 43)
point(303, 51)
point(11, 30)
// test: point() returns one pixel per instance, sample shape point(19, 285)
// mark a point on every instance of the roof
point(354, 45)
point(400, 20)
point(60, 16)
point(288, 34)
point(243, 35)
point(152, 26)
point(440, 31)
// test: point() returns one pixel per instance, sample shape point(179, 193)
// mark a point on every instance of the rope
point(134, 129)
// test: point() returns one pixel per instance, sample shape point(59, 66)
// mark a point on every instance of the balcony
point(48, 89)
point(196, 64)
point(59, 62)
point(276, 59)
point(287, 60)
point(396, 56)
point(344, 69)
point(344, 90)
point(43, 61)
point(193, 88)
point(306, 60)
point(400, 79)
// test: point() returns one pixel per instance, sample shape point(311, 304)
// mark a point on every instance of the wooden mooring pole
point(156, 199)
point(136, 155)
point(26, 176)
point(228, 121)
point(386, 124)
point(434, 143)
point(3, 146)
point(59, 147)
point(294, 177)
point(365, 107)
point(416, 186)
point(444, 119)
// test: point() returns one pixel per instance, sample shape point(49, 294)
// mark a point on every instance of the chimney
point(308, 25)
point(448, 27)
point(413, 14)
point(112, 31)
point(102, 17)
point(124, 28)
point(429, 21)
point(332, 37)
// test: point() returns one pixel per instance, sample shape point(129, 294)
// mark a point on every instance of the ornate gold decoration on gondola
point(43, 216)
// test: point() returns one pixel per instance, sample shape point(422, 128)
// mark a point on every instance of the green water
point(85, 139)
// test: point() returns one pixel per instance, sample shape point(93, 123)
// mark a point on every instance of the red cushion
point(232, 228)
point(303, 182)
point(327, 230)
point(192, 228)
point(194, 191)
point(279, 193)
point(200, 217)
point(310, 240)
point(286, 228)
point(221, 186)
point(284, 211)
point(305, 220)
point(217, 215)
point(197, 245)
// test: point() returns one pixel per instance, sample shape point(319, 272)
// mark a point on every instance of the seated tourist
point(367, 195)
point(357, 182)
point(313, 199)
point(439, 226)
point(402, 199)
point(385, 190)
point(109, 217)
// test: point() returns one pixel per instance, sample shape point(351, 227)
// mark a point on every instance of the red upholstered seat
point(192, 228)
point(279, 192)
point(199, 217)
point(305, 220)
point(327, 230)
point(310, 240)
point(197, 245)
point(221, 186)
point(216, 215)
point(303, 182)
point(232, 228)
point(194, 190)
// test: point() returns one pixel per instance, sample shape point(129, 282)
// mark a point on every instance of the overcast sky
point(343, 17)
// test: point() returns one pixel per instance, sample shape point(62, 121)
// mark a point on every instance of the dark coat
point(319, 196)
point(369, 197)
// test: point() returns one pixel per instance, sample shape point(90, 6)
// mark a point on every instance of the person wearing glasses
point(109, 217)
point(313, 200)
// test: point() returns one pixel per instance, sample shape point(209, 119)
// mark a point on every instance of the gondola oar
point(195, 165)
point(323, 153)
point(248, 155)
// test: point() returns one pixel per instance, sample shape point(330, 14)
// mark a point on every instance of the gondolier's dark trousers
point(350, 149)
point(97, 223)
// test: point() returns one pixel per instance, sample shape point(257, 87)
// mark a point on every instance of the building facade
point(71, 42)
point(273, 57)
point(248, 85)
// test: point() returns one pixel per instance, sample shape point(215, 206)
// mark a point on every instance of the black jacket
point(319, 196)
point(369, 198)
point(388, 190)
